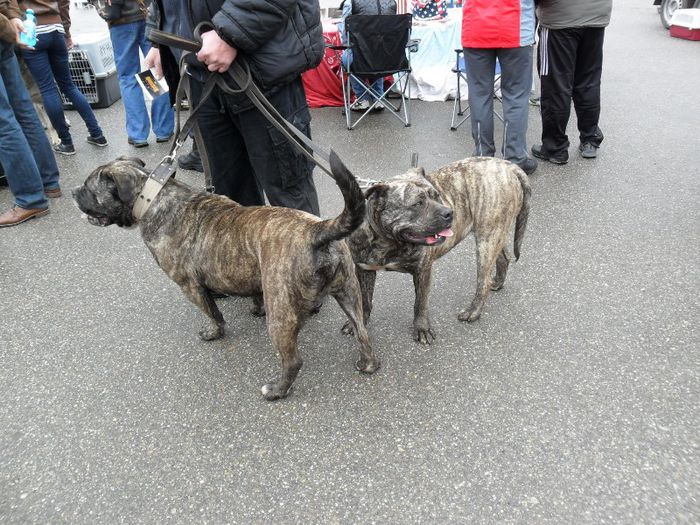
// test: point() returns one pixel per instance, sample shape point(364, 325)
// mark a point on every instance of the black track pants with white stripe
point(570, 62)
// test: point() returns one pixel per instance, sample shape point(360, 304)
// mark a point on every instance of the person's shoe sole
point(542, 156)
point(90, 140)
point(38, 214)
point(160, 140)
point(63, 152)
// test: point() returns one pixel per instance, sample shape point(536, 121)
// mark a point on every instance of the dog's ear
point(131, 160)
point(376, 190)
point(123, 182)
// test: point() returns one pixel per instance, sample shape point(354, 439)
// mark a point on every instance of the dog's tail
point(354, 212)
point(521, 220)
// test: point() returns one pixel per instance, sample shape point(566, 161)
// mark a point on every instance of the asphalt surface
point(573, 400)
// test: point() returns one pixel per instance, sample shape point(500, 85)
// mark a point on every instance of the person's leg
point(357, 87)
point(40, 67)
point(16, 155)
point(284, 172)
point(586, 90)
point(557, 50)
point(162, 112)
point(125, 44)
point(481, 69)
point(231, 172)
point(516, 82)
point(58, 59)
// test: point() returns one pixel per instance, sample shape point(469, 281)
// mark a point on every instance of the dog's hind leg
point(349, 300)
point(501, 270)
point(367, 280)
point(488, 250)
point(283, 323)
point(201, 296)
point(258, 309)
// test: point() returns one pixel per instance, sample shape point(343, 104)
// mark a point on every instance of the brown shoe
point(54, 193)
point(18, 215)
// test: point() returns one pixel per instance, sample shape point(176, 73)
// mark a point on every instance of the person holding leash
point(247, 157)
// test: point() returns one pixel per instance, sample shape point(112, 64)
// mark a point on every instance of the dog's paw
point(347, 329)
point(367, 366)
point(497, 285)
point(272, 391)
point(423, 336)
point(470, 315)
point(210, 333)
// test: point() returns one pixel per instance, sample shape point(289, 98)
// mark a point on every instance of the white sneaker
point(360, 105)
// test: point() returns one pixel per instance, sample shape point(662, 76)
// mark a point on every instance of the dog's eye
point(419, 203)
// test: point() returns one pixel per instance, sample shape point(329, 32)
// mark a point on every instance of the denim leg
point(481, 68)
point(17, 113)
point(58, 58)
point(125, 44)
point(38, 62)
point(358, 88)
point(162, 112)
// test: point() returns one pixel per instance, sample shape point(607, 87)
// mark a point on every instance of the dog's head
point(107, 196)
point(408, 208)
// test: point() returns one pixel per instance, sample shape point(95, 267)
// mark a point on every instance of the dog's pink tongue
point(431, 240)
point(446, 233)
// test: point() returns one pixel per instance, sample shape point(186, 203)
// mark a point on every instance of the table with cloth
point(432, 78)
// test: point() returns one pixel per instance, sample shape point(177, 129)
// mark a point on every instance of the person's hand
point(69, 42)
point(215, 53)
point(19, 28)
point(152, 61)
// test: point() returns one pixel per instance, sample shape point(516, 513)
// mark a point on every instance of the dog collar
point(154, 183)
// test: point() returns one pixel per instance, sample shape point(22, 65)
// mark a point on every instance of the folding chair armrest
point(412, 44)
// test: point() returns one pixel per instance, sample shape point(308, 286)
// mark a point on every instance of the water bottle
point(28, 36)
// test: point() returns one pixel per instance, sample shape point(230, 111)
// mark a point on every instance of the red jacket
point(498, 23)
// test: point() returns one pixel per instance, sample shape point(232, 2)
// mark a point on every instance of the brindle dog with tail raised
point(413, 219)
point(286, 259)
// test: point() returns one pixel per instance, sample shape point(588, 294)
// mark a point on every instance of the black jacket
point(279, 39)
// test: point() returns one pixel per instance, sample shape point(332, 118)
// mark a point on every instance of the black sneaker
point(137, 143)
point(191, 161)
point(539, 152)
point(100, 141)
point(529, 165)
point(588, 150)
point(64, 149)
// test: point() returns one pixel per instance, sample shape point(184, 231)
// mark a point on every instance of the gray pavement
point(573, 400)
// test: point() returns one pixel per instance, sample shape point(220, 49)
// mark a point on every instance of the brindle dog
point(413, 220)
point(208, 243)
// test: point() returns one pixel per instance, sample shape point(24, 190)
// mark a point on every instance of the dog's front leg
point(422, 332)
point(367, 279)
point(201, 296)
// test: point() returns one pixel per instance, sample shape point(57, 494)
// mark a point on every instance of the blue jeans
point(49, 66)
point(25, 152)
point(127, 39)
point(357, 87)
